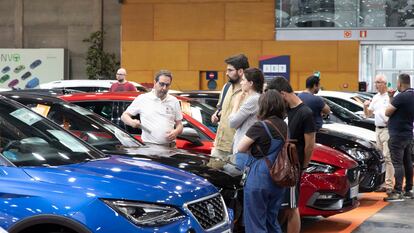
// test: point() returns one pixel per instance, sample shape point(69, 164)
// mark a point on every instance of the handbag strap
point(223, 95)
point(267, 129)
point(277, 129)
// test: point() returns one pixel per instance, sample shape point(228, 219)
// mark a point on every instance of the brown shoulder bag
point(285, 171)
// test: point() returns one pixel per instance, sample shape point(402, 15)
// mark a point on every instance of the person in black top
point(262, 197)
point(302, 129)
point(314, 102)
point(400, 127)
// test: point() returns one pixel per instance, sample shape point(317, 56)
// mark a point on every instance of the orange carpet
point(370, 203)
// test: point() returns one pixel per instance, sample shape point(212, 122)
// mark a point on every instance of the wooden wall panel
point(226, 1)
point(155, 55)
point(348, 56)
point(140, 76)
point(306, 55)
point(294, 80)
point(189, 36)
point(185, 80)
point(334, 81)
point(209, 55)
point(250, 21)
point(154, 1)
point(189, 21)
point(137, 22)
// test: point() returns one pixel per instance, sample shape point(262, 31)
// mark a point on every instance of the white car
point(351, 101)
point(353, 130)
point(87, 85)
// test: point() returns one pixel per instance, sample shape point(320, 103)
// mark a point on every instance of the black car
point(370, 159)
point(110, 139)
point(340, 114)
point(209, 98)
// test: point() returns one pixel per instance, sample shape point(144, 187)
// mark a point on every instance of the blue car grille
point(208, 212)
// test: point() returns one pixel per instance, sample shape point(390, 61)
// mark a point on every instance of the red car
point(329, 186)
point(197, 137)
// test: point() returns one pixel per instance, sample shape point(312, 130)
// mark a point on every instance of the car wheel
point(48, 229)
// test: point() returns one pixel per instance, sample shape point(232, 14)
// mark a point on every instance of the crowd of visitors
point(253, 122)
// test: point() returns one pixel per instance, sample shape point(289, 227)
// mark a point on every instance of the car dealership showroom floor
point(373, 215)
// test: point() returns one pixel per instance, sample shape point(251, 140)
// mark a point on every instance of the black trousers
point(400, 150)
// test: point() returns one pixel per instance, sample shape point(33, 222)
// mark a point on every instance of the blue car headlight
point(144, 214)
point(315, 167)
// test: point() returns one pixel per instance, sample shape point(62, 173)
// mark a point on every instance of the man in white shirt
point(377, 106)
point(160, 113)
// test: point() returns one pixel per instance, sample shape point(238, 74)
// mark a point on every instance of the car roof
point(30, 95)
point(106, 83)
point(339, 94)
point(200, 94)
point(125, 95)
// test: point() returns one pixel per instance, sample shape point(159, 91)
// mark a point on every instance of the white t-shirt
point(378, 105)
point(156, 115)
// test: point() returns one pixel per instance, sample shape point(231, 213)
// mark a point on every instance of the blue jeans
point(262, 200)
point(262, 197)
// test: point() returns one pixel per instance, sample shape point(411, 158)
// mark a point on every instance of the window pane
point(385, 57)
point(372, 13)
point(344, 13)
point(404, 59)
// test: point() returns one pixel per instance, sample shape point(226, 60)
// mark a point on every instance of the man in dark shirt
point(302, 129)
point(400, 127)
point(314, 102)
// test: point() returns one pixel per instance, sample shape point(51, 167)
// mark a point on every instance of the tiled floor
point(394, 218)
point(372, 216)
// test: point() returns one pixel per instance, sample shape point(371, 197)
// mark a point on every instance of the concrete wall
point(189, 36)
point(60, 24)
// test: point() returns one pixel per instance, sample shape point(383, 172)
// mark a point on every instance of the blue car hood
point(118, 177)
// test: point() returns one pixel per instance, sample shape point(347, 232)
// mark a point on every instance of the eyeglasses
point(378, 82)
point(164, 84)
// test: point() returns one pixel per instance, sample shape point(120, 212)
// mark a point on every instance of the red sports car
point(329, 186)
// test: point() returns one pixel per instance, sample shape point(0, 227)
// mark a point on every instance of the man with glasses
point(377, 107)
point(160, 113)
point(122, 84)
point(231, 90)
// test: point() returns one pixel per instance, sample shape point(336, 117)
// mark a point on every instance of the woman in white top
point(244, 112)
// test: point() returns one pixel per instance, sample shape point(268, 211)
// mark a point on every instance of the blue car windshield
point(27, 139)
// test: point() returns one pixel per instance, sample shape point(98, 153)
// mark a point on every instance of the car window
point(141, 89)
point(341, 112)
point(101, 89)
point(83, 89)
point(101, 108)
point(200, 112)
point(118, 108)
point(112, 111)
point(202, 136)
point(27, 139)
point(346, 104)
point(85, 125)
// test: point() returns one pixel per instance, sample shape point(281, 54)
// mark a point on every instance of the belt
point(381, 127)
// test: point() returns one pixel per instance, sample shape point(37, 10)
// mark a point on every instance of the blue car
point(50, 181)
